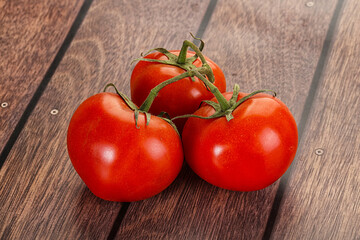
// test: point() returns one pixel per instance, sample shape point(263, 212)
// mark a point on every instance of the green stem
point(182, 58)
point(182, 55)
point(183, 52)
point(224, 104)
point(154, 92)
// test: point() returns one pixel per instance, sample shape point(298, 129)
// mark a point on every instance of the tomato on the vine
point(117, 160)
point(182, 97)
point(247, 153)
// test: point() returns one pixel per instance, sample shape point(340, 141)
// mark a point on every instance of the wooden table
point(55, 54)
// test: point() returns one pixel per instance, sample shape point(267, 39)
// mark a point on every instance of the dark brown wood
point(41, 196)
point(31, 33)
point(259, 44)
point(323, 195)
point(267, 44)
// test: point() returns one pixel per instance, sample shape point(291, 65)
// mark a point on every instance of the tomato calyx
point(137, 110)
point(130, 104)
point(181, 60)
point(204, 73)
point(222, 110)
point(173, 60)
point(234, 104)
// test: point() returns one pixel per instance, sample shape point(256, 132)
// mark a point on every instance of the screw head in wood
point(4, 104)
point(309, 4)
point(319, 151)
point(54, 111)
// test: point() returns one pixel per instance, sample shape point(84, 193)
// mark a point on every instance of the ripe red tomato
point(117, 161)
point(179, 98)
point(249, 152)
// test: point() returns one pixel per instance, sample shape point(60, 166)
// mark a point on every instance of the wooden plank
point(258, 44)
point(41, 196)
point(323, 195)
point(31, 33)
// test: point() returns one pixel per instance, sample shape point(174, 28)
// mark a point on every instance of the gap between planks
point(304, 116)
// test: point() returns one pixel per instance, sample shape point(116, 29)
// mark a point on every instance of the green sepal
point(235, 95)
point(164, 51)
point(136, 116)
point(202, 44)
point(131, 105)
point(162, 114)
point(171, 123)
point(250, 95)
point(166, 117)
point(191, 59)
point(229, 116)
point(128, 102)
point(215, 105)
point(148, 116)
point(201, 47)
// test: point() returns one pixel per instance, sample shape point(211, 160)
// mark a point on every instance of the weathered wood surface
point(31, 33)
point(41, 196)
point(258, 44)
point(322, 199)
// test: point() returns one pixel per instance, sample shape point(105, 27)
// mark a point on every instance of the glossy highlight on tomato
point(179, 98)
point(116, 160)
point(247, 153)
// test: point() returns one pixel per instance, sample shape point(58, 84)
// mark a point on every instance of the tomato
point(116, 160)
point(249, 152)
point(179, 98)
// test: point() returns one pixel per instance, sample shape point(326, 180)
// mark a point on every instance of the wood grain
point(31, 33)
point(258, 44)
point(322, 200)
point(41, 196)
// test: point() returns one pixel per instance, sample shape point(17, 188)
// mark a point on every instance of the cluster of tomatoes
point(233, 140)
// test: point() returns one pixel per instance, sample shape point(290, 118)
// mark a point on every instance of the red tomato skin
point(179, 98)
point(248, 153)
point(117, 161)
